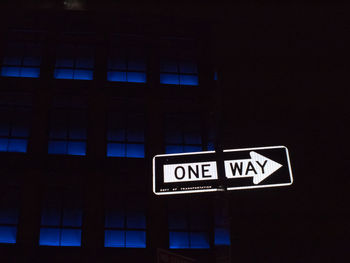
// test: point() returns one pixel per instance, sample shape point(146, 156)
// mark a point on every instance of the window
point(222, 225)
point(125, 136)
point(74, 61)
point(22, 59)
point(183, 133)
point(9, 204)
point(15, 115)
point(61, 217)
point(68, 132)
point(126, 65)
point(178, 72)
point(188, 225)
point(125, 223)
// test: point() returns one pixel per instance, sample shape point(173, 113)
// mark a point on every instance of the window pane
point(84, 62)
point(72, 217)
point(116, 150)
point(114, 238)
point(177, 220)
point(189, 80)
point(77, 148)
point(51, 216)
point(192, 148)
point(49, 236)
point(137, 64)
point(136, 239)
point(71, 237)
point(135, 150)
point(8, 234)
point(169, 79)
point(168, 66)
point(4, 125)
point(3, 144)
point(57, 147)
point(199, 240)
point(83, 74)
point(10, 71)
point(8, 215)
point(174, 149)
point(179, 240)
point(136, 77)
point(64, 62)
point(13, 60)
point(136, 220)
point(222, 236)
point(30, 72)
point(188, 67)
point(17, 145)
point(31, 61)
point(117, 63)
point(116, 76)
point(63, 73)
point(115, 219)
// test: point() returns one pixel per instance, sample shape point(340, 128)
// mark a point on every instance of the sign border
point(229, 188)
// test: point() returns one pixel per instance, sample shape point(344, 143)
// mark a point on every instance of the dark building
point(91, 92)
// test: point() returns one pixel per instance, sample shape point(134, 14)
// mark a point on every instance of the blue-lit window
point(188, 226)
point(68, 132)
point(21, 59)
point(14, 128)
point(9, 204)
point(61, 218)
point(178, 72)
point(74, 62)
point(125, 222)
point(222, 235)
point(183, 133)
point(126, 65)
point(125, 135)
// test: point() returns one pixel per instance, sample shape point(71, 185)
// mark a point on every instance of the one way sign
point(232, 170)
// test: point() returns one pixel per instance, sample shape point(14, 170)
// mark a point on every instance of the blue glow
point(4, 128)
point(123, 76)
point(173, 136)
point(30, 72)
point(76, 148)
point(215, 75)
point(63, 73)
point(115, 150)
point(178, 240)
point(20, 72)
point(57, 147)
point(71, 237)
point(192, 148)
point(72, 217)
point(136, 220)
point(173, 149)
point(189, 80)
point(51, 216)
point(137, 77)
point(136, 134)
point(9, 216)
point(199, 240)
point(83, 74)
point(115, 219)
point(222, 236)
point(210, 146)
point(10, 71)
point(169, 79)
point(12, 60)
point(135, 239)
point(8, 234)
point(49, 236)
point(114, 238)
point(135, 150)
point(3, 144)
point(17, 145)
